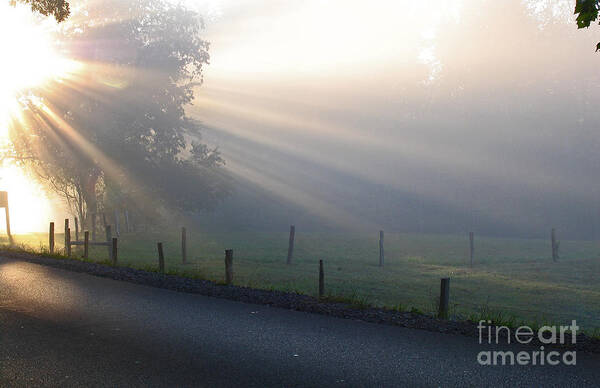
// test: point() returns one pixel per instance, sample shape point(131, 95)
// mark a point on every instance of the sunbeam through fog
point(446, 100)
point(346, 157)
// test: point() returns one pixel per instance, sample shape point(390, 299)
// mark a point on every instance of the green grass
point(513, 280)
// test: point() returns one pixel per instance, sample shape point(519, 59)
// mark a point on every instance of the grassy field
point(512, 278)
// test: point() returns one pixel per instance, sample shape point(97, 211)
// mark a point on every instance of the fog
point(431, 116)
point(439, 116)
point(427, 120)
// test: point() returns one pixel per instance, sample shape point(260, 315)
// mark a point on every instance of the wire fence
point(512, 280)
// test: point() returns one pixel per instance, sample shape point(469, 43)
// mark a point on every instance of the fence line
point(112, 249)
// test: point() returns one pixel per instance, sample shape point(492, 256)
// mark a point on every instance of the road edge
point(278, 299)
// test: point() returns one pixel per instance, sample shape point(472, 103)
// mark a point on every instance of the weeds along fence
point(380, 277)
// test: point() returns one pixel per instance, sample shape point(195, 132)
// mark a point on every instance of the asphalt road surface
point(63, 329)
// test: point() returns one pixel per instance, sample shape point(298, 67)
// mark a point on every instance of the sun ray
point(31, 59)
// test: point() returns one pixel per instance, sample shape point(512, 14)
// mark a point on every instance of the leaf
point(586, 11)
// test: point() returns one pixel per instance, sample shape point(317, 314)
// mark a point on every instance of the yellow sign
point(3, 198)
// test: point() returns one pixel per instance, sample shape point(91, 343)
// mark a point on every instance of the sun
point(28, 53)
point(29, 59)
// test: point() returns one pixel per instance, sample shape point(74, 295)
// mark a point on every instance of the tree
point(587, 12)
point(58, 8)
point(117, 135)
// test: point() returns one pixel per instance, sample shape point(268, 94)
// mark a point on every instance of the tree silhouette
point(57, 8)
point(117, 136)
point(587, 12)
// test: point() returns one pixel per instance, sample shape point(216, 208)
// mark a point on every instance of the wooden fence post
point(86, 244)
point(127, 221)
point(229, 267)
point(68, 242)
point(471, 247)
point(184, 245)
point(93, 226)
point(109, 241)
point(444, 298)
point(381, 253)
point(321, 280)
point(66, 231)
point(114, 251)
point(117, 223)
point(161, 258)
point(76, 229)
point(51, 238)
point(7, 216)
point(291, 244)
point(554, 245)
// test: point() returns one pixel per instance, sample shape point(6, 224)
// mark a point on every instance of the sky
point(430, 115)
point(483, 107)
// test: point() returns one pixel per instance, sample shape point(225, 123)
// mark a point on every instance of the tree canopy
point(587, 12)
point(58, 8)
point(116, 135)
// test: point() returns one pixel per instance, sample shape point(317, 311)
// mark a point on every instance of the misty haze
point(425, 164)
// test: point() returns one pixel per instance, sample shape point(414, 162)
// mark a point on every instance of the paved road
point(59, 328)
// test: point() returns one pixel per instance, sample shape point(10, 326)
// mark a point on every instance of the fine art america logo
point(546, 335)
